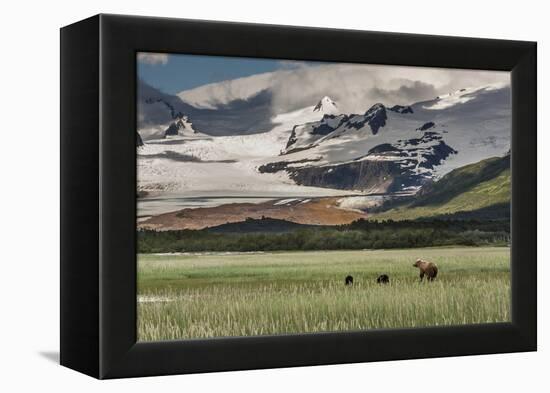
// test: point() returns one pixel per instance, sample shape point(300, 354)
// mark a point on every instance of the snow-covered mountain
point(157, 111)
point(201, 164)
point(317, 150)
point(181, 126)
point(308, 135)
point(326, 105)
point(398, 148)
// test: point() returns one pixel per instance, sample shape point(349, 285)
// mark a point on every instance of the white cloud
point(355, 87)
point(212, 94)
point(152, 58)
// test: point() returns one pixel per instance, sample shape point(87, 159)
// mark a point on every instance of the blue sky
point(174, 73)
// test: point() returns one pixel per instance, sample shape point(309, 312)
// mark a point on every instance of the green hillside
point(483, 187)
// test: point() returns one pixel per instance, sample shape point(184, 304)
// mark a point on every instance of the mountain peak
point(326, 105)
point(181, 126)
point(376, 117)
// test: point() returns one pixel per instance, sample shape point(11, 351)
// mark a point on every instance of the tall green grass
point(200, 296)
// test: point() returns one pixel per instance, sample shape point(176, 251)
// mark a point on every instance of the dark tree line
point(361, 234)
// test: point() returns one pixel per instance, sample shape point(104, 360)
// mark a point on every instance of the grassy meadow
point(219, 295)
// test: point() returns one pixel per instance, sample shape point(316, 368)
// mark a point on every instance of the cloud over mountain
point(355, 87)
point(152, 58)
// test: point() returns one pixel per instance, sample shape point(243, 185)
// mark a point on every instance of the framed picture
point(239, 196)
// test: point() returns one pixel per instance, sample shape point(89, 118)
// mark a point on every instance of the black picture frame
point(98, 195)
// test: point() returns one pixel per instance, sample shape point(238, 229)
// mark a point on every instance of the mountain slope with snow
point(201, 164)
point(476, 191)
point(317, 150)
point(399, 148)
point(157, 111)
point(326, 105)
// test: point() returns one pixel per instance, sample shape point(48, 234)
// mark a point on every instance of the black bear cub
point(383, 279)
point(349, 280)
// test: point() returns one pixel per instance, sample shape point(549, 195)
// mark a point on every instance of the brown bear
point(426, 268)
